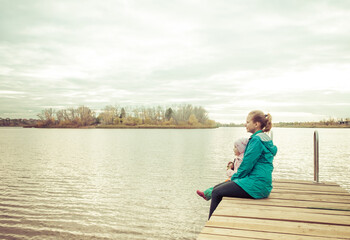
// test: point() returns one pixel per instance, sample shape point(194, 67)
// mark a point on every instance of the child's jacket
point(237, 162)
point(255, 172)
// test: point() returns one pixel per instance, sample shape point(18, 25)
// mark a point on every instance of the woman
point(254, 176)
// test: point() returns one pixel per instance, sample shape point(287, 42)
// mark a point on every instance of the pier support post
point(316, 157)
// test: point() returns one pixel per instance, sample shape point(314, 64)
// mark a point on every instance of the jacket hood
point(266, 140)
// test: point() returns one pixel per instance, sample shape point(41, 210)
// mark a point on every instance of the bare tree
point(85, 116)
point(47, 116)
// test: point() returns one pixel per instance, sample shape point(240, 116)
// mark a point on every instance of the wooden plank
point(274, 214)
point(287, 227)
point(303, 191)
point(260, 234)
point(323, 198)
point(303, 182)
point(310, 187)
point(203, 236)
point(233, 205)
point(290, 203)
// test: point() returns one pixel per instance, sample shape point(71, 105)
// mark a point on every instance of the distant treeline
point(184, 116)
point(7, 122)
point(230, 125)
point(330, 123)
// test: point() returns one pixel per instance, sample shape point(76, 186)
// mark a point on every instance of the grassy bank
point(310, 125)
point(125, 127)
point(155, 126)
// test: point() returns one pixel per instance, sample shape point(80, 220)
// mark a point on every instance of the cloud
point(230, 57)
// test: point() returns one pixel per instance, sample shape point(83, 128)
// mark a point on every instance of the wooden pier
point(294, 210)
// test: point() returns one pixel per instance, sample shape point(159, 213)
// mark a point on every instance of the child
point(232, 167)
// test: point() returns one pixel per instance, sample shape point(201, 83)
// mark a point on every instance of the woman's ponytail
point(268, 125)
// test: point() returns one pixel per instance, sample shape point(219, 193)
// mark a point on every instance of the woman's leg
point(227, 189)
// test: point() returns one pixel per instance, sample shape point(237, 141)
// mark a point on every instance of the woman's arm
point(251, 156)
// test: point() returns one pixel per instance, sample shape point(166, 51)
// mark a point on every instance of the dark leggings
point(225, 189)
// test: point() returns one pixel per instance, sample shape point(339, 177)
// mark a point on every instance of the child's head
point(257, 120)
point(239, 145)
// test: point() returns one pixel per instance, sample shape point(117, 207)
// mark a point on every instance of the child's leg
point(207, 193)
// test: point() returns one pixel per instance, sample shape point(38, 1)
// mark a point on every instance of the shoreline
point(312, 126)
point(120, 127)
point(168, 127)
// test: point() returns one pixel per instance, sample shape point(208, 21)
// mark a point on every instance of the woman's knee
point(215, 193)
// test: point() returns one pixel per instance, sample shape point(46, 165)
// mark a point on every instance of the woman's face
point(251, 126)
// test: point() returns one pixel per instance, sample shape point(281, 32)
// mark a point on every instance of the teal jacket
point(255, 173)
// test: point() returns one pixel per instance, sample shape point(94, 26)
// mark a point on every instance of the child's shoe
point(202, 195)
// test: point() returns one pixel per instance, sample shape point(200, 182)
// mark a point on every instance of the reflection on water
point(135, 183)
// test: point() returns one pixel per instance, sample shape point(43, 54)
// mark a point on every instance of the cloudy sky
point(289, 58)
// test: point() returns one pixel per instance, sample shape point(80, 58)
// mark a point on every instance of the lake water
point(135, 183)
